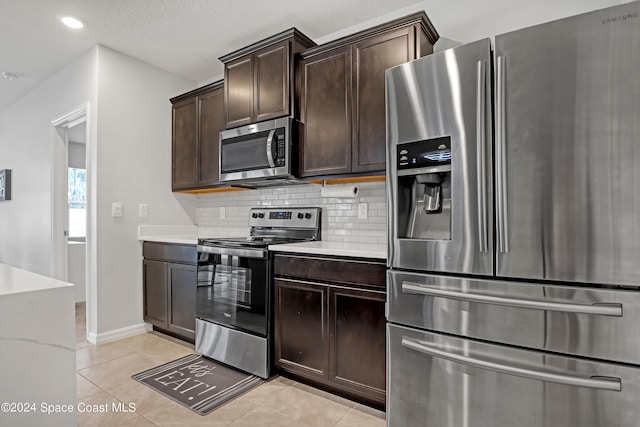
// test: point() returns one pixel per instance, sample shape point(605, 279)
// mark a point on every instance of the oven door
point(233, 288)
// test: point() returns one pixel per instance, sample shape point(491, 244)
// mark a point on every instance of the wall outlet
point(223, 212)
point(143, 210)
point(363, 211)
point(116, 210)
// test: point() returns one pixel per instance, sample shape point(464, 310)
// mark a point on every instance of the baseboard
point(118, 334)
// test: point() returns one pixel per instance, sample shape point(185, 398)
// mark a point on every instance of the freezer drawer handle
point(603, 383)
point(602, 309)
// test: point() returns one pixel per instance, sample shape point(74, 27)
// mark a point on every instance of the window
point(77, 179)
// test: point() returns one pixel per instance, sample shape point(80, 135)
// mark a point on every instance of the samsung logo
point(620, 18)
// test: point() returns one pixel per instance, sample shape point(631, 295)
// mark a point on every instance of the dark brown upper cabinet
point(341, 93)
point(259, 79)
point(198, 118)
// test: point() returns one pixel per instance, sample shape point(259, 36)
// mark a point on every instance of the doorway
point(71, 207)
point(77, 208)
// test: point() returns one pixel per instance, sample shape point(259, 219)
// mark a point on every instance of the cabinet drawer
point(186, 254)
point(352, 272)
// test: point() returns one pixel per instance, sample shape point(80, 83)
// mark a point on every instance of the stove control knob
point(260, 215)
point(300, 216)
point(254, 215)
point(307, 215)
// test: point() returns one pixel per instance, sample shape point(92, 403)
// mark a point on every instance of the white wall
point(133, 163)
point(26, 147)
point(466, 21)
point(129, 158)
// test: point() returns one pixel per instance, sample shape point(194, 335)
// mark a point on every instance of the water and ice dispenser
point(424, 189)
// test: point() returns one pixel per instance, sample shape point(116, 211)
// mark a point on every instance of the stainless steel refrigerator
point(513, 186)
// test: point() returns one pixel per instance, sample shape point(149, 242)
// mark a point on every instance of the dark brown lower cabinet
point(357, 340)
point(332, 334)
point(169, 281)
point(301, 328)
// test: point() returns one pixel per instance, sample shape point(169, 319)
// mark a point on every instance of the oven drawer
point(592, 322)
point(441, 381)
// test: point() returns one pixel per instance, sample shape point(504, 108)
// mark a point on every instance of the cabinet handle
point(602, 383)
point(602, 309)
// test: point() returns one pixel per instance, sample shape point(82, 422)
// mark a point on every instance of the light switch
point(116, 209)
point(363, 212)
point(223, 212)
point(143, 210)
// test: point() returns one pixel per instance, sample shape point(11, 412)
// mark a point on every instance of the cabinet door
point(155, 282)
point(184, 146)
point(357, 341)
point(301, 338)
point(371, 58)
point(211, 122)
point(326, 113)
point(182, 299)
point(271, 68)
point(239, 91)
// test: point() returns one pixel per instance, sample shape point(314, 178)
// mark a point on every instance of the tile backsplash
point(227, 214)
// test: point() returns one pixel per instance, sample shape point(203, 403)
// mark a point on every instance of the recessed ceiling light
point(10, 76)
point(72, 22)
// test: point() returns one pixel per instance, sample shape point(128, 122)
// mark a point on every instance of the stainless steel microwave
point(258, 154)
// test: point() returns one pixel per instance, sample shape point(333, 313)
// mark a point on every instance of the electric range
point(234, 322)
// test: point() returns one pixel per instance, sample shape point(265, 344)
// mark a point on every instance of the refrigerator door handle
point(501, 178)
point(481, 114)
point(602, 383)
point(601, 309)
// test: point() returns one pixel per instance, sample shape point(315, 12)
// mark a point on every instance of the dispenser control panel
point(425, 153)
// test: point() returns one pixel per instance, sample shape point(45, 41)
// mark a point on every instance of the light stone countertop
point(355, 250)
point(188, 235)
point(183, 234)
point(38, 341)
point(185, 239)
point(14, 281)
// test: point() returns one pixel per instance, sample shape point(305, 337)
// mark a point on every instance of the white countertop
point(357, 250)
point(185, 239)
point(188, 235)
point(184, 234)
point(14, 281)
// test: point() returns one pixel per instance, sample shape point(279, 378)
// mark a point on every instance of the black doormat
point(198, 383)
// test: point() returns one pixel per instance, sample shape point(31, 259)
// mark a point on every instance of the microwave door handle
point(269, 148)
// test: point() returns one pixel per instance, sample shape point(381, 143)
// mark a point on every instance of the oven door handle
point(602, 383)
point(270, 148)
point(603, 309)
point(245, 253)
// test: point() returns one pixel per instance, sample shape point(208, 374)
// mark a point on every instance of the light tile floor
point(104, 376)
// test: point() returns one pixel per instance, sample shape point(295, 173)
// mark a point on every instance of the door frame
point(59, 203)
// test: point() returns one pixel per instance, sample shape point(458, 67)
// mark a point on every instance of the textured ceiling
point(186, 37)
